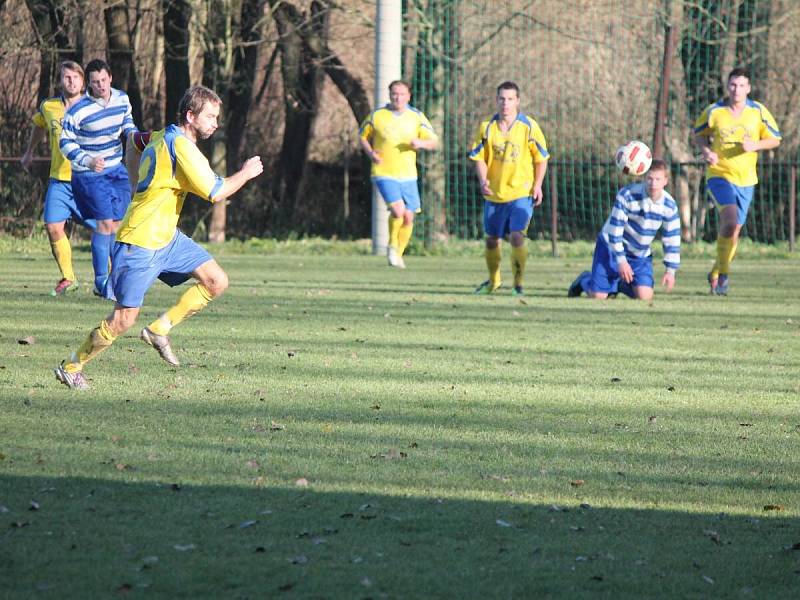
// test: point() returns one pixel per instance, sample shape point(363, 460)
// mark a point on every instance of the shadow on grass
point(97, 538)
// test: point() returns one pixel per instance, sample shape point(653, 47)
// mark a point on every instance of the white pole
point(388, 67)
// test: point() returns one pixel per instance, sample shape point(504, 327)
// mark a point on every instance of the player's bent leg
point(494, 257)
point(404, 234)
point(597, 295)
point(69, 372)
point(643, 292)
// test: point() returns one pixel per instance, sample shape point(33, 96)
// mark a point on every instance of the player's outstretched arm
point(668, 281)
point(37, 135)
point(230, 185)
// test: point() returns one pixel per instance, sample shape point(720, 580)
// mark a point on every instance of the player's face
point(204, 123)
point(654, 182)
point(738, 89)
point(399, 96)
point(100, 84)
point(507, 103)
point(71, 83)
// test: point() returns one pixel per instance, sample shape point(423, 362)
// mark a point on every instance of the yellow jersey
point(510, 156)
point(727, 133)
point(171, 166)
point(390, 133)
point(50, 116)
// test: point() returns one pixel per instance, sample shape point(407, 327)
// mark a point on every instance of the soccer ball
point(633, 158)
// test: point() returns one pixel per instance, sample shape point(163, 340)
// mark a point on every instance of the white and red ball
point(633, 158)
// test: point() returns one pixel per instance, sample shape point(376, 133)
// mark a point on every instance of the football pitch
point(340, 429)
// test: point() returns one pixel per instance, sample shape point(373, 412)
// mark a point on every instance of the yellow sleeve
point(366, 129)
point(537, 144)
point(193, 171)
point(478, 150)
point(769, 126)
point(425, 131)
point(702, 125)
point(38, 119)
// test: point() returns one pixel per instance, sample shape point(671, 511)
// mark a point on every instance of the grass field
point(340, 429)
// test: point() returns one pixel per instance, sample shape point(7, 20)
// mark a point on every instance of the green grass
point(443, 436)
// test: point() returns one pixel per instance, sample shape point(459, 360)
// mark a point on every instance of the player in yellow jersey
point(149, 246)
point(730, 133)
point(59, 201)
point(391, 137)
point(510, 154)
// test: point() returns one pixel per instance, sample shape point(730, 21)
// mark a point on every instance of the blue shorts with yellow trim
point(134, 269)
point(103, 195)
point(393, 190)
point(725, 193)
point(59, 205)
point(605, 275)
point(501, 218)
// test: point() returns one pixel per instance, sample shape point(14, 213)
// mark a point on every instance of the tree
point(49, 23)
point(177, 14)
point(120, 53)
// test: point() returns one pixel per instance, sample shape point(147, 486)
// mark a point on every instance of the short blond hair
point(72, 66)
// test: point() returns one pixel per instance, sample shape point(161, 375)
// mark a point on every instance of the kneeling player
point(149, 245)
point(623, 262)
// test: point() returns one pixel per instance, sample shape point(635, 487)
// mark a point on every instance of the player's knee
point(492, 242)
point(55, 231)
point(218, 283)
point(517, 238)
point(644, 293)
point(408, 218)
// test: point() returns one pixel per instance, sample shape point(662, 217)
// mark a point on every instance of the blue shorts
point(59, 204)
point(393, 190)
point(724, 193)
point(501, 218)
point(605, 276)
point(103, 195)
point(134, 269)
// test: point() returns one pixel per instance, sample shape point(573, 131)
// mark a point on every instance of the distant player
point(510, 155)
point(391, 137)
point(91, 139)
point(730, 133)
point(622, 261)
point(149, 246)
point(59, 202)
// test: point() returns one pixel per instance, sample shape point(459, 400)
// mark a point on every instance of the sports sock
point(394, 230)
point(98, 340)
point(519, 254)
point(101, 254)
point(403, 237)
point(62, 252)
point(726, 250)
point(493, 258)
point(195, 299)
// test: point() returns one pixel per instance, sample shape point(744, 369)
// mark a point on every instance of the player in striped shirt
point(623, 262)
point(91, 139)
point(59, 201)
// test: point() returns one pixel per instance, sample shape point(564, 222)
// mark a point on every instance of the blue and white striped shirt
point(93, 128)
point(634, 222)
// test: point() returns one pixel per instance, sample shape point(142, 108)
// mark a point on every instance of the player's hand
point(97, 164)
point(668, 281)
point(537, 195)
point(253, 167)
point(375, 157)
point(710, 156)
point(26, 160)
point(416, 144)
point(485, 189)
point(749, 145)
point(625, 272)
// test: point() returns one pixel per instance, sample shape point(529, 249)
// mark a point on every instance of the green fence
point(591, 74)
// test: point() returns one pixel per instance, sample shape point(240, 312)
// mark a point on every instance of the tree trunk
point(177, 16)
point(120, 55)
point(301, 89)
point(53, 41)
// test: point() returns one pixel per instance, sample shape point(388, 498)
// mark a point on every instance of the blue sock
point(586, 278)
point(101, 252)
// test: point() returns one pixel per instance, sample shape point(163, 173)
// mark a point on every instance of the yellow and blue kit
point(509, 156)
